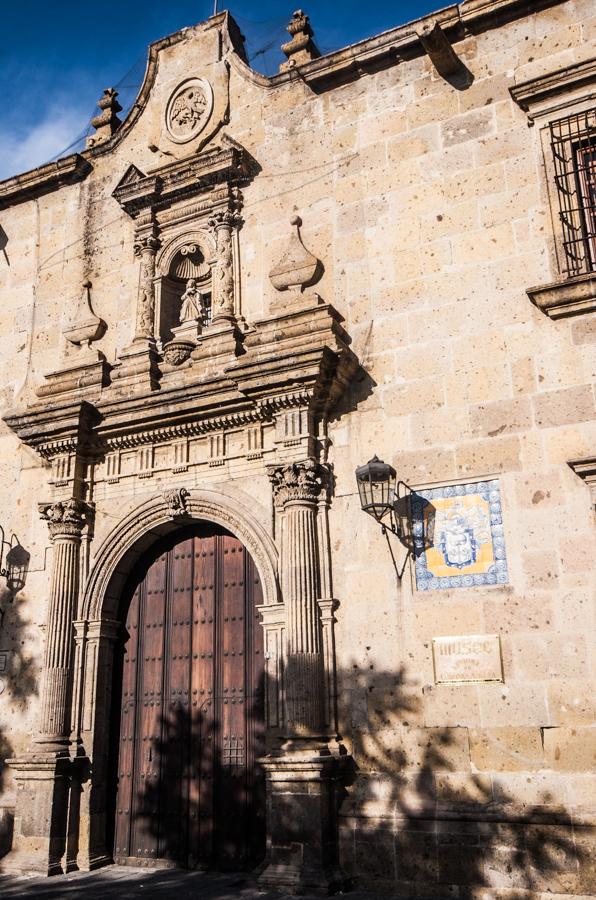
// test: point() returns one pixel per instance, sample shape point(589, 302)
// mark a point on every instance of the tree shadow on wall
point(418, 815)
point(18, 682)
point(200, 801)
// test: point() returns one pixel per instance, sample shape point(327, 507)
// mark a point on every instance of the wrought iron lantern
point(390, 502)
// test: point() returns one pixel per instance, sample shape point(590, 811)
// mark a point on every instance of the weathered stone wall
point(429, 209)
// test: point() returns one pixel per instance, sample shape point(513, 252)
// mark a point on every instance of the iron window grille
point(573, 143)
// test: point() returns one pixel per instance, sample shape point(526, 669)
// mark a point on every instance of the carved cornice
point(43, 179)
point(554, 86)
point(300, 482)
point(228, 164)
point(66, 518)
point(299, 359)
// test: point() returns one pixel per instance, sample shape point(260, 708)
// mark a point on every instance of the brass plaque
point(470, 657)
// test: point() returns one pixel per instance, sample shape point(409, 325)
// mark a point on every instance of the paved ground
point(158, 884)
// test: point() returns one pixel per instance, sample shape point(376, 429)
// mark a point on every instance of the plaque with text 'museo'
point(472, 657)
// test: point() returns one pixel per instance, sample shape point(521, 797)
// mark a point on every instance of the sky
point(57, 57)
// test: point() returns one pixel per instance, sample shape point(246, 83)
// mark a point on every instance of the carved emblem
point(189, 109)
point(176, 501)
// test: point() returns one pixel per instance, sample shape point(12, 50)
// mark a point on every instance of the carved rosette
point(298, 482)
point(66, 518)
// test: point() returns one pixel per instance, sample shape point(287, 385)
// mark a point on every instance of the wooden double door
point(189, 790)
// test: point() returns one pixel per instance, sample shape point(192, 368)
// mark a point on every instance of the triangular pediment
point(131, 176)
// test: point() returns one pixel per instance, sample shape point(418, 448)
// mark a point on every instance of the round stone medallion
point(188, 109)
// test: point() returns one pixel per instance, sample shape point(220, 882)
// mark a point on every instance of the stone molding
point(568, 297)
point(154, 518)
point(549, 92)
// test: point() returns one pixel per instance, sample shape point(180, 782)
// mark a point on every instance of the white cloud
point(43, 141)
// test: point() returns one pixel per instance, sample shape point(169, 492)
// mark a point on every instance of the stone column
point(304, 776)
point(296, 489)
point(145, 248)
point(137, 364)
point(223, 274)
point(66, 521)
point(44, 775)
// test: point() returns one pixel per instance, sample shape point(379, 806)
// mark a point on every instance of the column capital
point(146, 243)
point(297, 481)
point(224, 218)
point(66, 518)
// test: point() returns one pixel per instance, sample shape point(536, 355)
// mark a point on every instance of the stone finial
point(87, 327)
point(301, 48)
point(298, 268)
point(107, 122)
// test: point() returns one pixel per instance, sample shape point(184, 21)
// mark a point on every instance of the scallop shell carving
point(189, 262)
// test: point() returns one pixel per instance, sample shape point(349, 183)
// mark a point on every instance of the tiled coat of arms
point(467, 547)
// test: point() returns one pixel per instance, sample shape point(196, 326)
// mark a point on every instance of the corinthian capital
point(301, 481)
point(146, 243)
point(224, 219)
point(66, 518)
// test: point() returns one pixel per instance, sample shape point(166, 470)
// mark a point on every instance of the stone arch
point(99, 623)
point(155, 518)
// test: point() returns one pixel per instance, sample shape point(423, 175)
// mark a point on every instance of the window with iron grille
point(573, 142)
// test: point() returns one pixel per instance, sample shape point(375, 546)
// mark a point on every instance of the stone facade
point(216, 312)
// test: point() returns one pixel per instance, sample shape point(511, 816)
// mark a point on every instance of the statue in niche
point(192, 302)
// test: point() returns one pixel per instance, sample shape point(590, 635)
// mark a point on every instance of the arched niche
point(185, 261)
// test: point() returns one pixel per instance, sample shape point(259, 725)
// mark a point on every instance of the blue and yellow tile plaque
point(467, 546)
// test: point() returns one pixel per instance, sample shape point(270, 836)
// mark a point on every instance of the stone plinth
point(41, 817)
point(302, 853)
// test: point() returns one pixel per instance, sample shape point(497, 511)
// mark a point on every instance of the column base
point(303, 794)
point(45, 820)
point(136, 369)
point(218, 347)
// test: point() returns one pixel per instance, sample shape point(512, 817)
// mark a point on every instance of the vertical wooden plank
point(203, 727)
point(174, 756)
point(127, 732)
point(232, 775)
point(147, 780)
point(255, 711)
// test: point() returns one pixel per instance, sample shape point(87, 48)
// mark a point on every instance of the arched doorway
point(189, 698)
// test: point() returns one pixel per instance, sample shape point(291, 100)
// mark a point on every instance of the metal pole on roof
point(215, 4)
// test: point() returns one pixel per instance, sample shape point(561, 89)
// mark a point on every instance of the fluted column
point(223, 274)
point(145, 248)
point(296, 488)
point(66, 520)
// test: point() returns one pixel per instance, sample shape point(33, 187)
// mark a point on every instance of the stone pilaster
point(145, 248)
point(45, 775)
point(137, 364)
point(303, 777)
point(66, 520)
point(296, 488)
point(223, 275)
